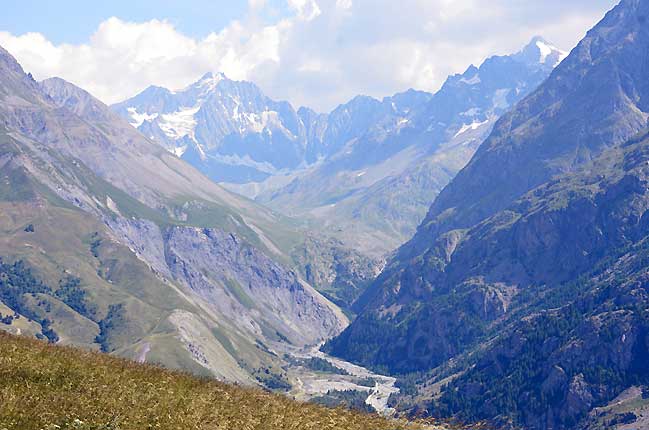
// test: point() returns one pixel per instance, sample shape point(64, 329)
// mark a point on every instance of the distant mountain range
point(523, 296)
point(370, 166)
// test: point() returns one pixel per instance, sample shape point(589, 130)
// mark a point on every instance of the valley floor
point(309, 385)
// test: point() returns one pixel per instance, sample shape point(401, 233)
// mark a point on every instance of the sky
point(316, 53)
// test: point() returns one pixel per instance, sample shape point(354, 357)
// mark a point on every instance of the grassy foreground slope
point(44, 386)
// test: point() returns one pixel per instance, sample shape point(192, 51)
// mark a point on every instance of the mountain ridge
point(519, 271)
point(581, 55)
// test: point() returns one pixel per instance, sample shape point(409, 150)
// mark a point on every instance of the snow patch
point(267, 120)
point(201, 152)
point(137, 119)
point(472, 81)
point(547, 50)
point(179, 151)
point(472, 112)
point(179, 124)
point(247, 161)
point(500, 98)
point(473, 126)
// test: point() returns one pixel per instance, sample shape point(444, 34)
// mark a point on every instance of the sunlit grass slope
point(44, 386)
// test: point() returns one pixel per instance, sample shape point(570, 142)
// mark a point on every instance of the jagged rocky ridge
point(525, 285)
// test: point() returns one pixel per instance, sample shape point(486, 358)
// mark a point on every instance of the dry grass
point(48, 387)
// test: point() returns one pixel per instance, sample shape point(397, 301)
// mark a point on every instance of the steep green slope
point(46, 387)
point(58, 243)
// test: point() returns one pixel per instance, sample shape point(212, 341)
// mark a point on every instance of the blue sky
point(316, 53)
point(74, 21)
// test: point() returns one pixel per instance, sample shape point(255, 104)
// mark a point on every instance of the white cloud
point(344, 4)
point(122, 58)
point(307, 10)
point(325, 53)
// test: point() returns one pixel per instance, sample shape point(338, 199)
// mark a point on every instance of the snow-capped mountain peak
point(208, 82)
point(540, 51)
point(471, 76)
point(227, 128)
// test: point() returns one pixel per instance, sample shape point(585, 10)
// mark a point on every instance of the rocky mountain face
point(522, 297)
point(234, 133)
point(571, 333)
point(113, 243)
point(229, 130)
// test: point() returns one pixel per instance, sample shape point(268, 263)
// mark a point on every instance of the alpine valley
point(477, 256)
point(110, 242)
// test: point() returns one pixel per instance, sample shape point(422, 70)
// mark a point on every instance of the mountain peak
point(60, 85)
point(8, 60)
point(540, 51)
point(209, 81)
point(538, 39)
point(77, 100)
point(155, 89)
point(59, 89)
point(212, 75)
